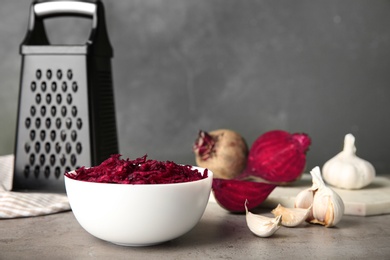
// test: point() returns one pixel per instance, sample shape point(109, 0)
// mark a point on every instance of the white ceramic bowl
point(139, 214)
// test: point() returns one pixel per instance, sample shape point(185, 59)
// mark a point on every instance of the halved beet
point(232, 194)
point(278, 156)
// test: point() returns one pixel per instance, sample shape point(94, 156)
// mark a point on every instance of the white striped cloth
point(25, 204)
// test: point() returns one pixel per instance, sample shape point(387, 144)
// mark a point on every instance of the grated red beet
point(138, 171)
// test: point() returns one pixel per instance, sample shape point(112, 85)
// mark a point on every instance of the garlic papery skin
point(346, 170)
point(262, 226)
point(291, 217)
point(328, 207)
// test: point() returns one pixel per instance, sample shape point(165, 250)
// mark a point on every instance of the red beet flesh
point(232, 194)
point(204, 145)
point(138, 171)
point(278, 156)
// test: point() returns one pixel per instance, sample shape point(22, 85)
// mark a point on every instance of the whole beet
point(222, 151)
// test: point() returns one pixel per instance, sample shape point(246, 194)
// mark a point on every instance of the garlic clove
point(262, 226)
point(292, 217)
point(346, 170)
point(305, 200)
point(328, 207)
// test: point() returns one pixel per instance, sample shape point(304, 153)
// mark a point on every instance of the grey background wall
point(320, 67)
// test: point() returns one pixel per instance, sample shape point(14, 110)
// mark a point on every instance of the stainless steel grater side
point(66, 112)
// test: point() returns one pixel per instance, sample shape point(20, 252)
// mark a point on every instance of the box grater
point(66, 114)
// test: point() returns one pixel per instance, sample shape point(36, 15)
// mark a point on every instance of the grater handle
point(93, 9)
point(59, 8)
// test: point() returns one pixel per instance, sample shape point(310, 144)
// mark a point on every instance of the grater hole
point(53, 110)
point(48, 74)
point(32, 135)
point(38, 74)
point(36, 171)
point(79, 123)
point(63, 160)
point(42, 159)
point(79, 148)
point(64, 86)
point(58, 147)
point(42, 135)
point(74, 86)
point(59, 99)
point(27, 122)
point(27, 147)
point(48, 99)
point(73, 160)
point(38, 98)
point(32, 159)
point(68, 123)
point(73, 135)
point(58, 123)
point(33, 86)
point(43, 111)
point(69, 99)
point(54, 86)
point(47, 147)
point(37, 147)
point(48, 123)
point(63, 135)
point(37, 122)
point(74, 111)
point(63, 111)
point(69, 74)
point(52, 159)
point(47, 172)
point(68, 148)
point(26, 171)
point(59, 74)
point(43, 86)
point(57, 172)
point(53, 135)
point(33, 110)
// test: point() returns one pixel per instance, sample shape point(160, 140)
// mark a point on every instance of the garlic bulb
point(262, 226)
point(291, 217)
point(327, 205)
point(346, 170)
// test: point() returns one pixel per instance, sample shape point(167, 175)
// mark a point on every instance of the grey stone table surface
point(219, 235)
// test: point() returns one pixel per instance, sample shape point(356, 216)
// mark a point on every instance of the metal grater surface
point(53, 124)
point(66, 115)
